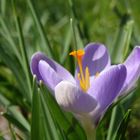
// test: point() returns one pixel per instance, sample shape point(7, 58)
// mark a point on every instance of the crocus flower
point(96, 84)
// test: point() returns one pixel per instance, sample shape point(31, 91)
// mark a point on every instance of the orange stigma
point(77, 54)
point(83, 75)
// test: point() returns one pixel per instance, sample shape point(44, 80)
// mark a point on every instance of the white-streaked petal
point(72, 99)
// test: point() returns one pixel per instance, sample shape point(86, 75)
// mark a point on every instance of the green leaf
point(36, 128)
point(23, 52)
point(2, 138)
point(6, 34)
point(40, 28)
point(69, 125)
point(120, 133)
point(80, 34)
point(5, 56)
point(121, 44)
point(14, 116)
point(66, 47)
point(3, 6)
point(18, 123)
point(43, 126)
point(51, 128)
point(13, 133)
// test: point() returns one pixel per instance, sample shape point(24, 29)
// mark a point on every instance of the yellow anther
point(97, 74)
point(83, 75)
point(82, 83)
point(87, 78)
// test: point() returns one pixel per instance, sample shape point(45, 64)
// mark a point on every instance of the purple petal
point(106, 87)
point(62, 72)
point(49, 76)
point(132, 64)
point(72, 99)
point(96, 58)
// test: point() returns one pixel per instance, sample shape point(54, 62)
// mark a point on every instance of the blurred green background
point(44, 25)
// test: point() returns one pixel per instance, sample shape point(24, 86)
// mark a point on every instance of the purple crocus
point(96, 84)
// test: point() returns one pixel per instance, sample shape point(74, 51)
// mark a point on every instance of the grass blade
point(24, 63)
point(120, 133)
point(69, 125)
point(40, 29)
point(120, 48)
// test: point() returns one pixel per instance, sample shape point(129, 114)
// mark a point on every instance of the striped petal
point(106, 88)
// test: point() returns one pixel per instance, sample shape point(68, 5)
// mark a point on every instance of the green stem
point(88, 127)
point(112, 122)
point(91, 134)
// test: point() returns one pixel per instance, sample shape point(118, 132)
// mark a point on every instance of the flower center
point(83, 75)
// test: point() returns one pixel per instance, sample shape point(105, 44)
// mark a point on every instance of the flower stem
point(89, 128)
point(91, 134)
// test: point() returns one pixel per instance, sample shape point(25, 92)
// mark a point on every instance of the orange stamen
point(83, 76)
